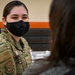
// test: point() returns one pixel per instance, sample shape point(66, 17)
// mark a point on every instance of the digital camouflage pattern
point(14, 56)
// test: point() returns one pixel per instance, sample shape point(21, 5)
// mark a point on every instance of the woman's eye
point(14, 17)
point(24, 17)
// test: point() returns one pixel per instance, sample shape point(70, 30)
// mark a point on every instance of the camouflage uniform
point(14, 56)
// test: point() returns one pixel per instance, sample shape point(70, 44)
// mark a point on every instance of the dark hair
point(62, 25)
point(10, 6)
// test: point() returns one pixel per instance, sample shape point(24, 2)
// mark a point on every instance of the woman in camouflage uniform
point(14, 49)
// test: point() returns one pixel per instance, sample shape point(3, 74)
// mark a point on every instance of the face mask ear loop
point(5, 24)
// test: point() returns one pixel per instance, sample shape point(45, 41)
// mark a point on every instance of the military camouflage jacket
point(14, 56)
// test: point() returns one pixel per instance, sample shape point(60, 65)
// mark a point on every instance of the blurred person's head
point(62, 25)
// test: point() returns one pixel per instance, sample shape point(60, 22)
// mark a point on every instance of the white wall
point(38, 9)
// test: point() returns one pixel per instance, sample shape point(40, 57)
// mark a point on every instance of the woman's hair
point(11, 5)
point(62, 25)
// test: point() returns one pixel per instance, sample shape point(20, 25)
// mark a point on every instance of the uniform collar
point(12, 40)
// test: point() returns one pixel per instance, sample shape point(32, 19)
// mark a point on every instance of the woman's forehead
point(18, 10)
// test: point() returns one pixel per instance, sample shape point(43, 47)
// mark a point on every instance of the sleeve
point(7, 64)
point(36, 68)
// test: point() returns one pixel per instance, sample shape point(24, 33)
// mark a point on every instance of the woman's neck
point(16, 38)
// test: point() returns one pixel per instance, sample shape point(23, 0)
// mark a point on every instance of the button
point(8, 47)
point(20, 62)
point(23, 51)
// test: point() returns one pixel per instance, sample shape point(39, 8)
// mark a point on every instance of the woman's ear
point(3, 20)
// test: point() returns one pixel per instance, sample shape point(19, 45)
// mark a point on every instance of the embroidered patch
point(9, 67)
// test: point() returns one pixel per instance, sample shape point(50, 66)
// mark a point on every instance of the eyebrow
point(17, 15)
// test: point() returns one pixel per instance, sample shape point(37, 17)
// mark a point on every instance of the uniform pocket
point(7, 64)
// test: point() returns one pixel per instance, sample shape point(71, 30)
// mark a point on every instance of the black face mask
point(18, 28)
